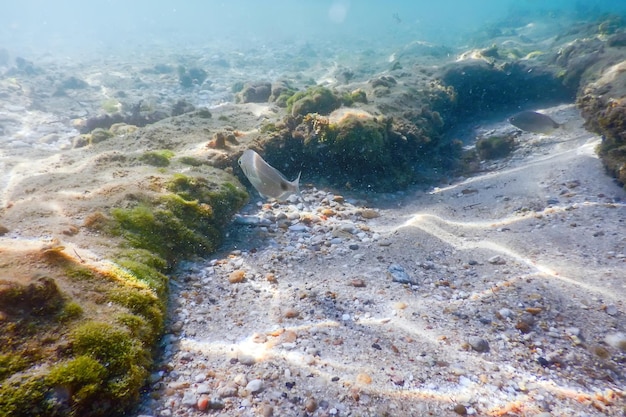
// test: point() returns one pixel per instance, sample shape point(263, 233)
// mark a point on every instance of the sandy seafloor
point(514, 296)
point(527, 257)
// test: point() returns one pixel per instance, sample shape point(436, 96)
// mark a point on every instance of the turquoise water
point(75, 25)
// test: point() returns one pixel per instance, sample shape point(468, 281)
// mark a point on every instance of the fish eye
point(239, 161)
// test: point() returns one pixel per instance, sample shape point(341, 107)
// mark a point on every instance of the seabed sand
point(513, 301)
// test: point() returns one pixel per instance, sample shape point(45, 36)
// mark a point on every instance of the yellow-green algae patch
point(79, 340)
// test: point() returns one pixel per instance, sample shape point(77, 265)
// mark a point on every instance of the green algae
point(317, 99)
point(160, 158)
point(494, 147)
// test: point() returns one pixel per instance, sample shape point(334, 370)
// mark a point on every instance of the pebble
point(369, 213)
point(357, 283)
point(363, 379)
point(398, 274)
point(496, 260)
point(292, 313)
point(236, 276)
point(611, 310)
point(203, 403)
point(616, 340)
point(267, 410)
point(189, 398)
point(460, 409)
point(310, 405)
point(254, 386)
point(478, 344)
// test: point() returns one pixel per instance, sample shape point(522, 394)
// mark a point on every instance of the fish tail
point(296, 183)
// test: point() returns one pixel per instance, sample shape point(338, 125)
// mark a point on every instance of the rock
point(236, 276)
point(478, 344)
point(190, 398)
point(357, 283)
point(460, 409)
point(310, 405)
point(267, 410)
point(254, 386)
point(611, 310)
point(616, 340)
point(227, 391)
point(292, 313)
point(496, 260)
point(369, 213)
point(363, 379)
point(203, 403)
point(255, 92)
point(398, 274)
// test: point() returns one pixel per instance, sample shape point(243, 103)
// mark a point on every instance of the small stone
point(310, 405)
point(353, 246)
point(236, 276)
point(505, 313)
point(267, 410)
point(611, 310)
point(616, 340)
point(369, 213)
point(247, 359)
point(203, 389)
point(216, 404)
point(339, 199)
point(357, 283)
point(176, 327)
point(203, 403)
point(363, 379)
point(534, 310)
point(460, 409)
point(270, 278)
point(292, 313)
point(398, 274)
point(189, 398)
point(478, 344)
point(496, 260)
point(254, 386)
point(227, 391)
point(400, 305)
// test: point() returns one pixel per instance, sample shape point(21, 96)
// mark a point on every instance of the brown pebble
point(236, 276)
point(369, 213)
point(310, 405)
point(534, 310)
point(267, 410)
point(292, 313)
point(523, 327)
point(364, 379)
point(203, 402)
point(270, 278)
point(288, 337)
point(339, 199)
point(357, 283)
point(460, 409)
point(328, 212)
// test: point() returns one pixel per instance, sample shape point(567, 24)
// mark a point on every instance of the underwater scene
point(320, 208)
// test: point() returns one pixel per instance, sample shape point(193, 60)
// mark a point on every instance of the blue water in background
point(87, 26)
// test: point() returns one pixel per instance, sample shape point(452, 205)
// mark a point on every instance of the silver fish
point(266, 179)
point(531, 121)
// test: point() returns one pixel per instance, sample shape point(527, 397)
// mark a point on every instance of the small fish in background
point(531, 121)
point(266, 179)
point(396, 17)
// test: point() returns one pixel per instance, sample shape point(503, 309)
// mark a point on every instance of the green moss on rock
point(159, 158)
point(317, 99)
point(494, 147)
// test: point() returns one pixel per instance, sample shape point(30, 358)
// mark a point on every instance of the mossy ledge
point(79, 341)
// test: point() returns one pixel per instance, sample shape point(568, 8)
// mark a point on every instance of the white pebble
point(254, 386)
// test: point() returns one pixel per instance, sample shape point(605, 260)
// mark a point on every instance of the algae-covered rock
point(494, 147)
point(258, 92)
point(319, 100)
